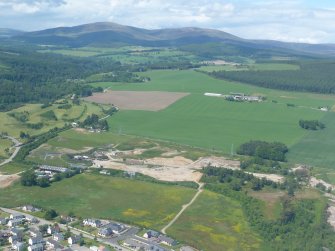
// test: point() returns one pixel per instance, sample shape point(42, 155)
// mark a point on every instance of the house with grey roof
point(151, 234)
point(30, 208)
point(3, 221)
point(18, 246)
point(33, 232)
point(52, 244)
point(36, 240)
point(105, 232)
point(116, 227)
point(58, 237)
point(32, 219)
point(15, 222)
point(16, 232)
point(52, 230)
point(74, 239)
point(167, 240)
point(92, 223)
point(36, 247)
point(14, 216)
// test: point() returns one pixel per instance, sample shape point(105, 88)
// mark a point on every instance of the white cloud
point(287, 20)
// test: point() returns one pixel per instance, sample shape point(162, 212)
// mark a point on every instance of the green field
point(317, 148)
point(215, 222)
point(252, 67)
point(212, 122)
point(4, 144)
point(127, 54)
point(13, 126)
point(87, 195)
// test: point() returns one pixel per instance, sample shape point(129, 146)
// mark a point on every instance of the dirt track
point(132, 100)
point(7, 180)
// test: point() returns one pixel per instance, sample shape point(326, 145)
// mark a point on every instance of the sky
point(308, 21)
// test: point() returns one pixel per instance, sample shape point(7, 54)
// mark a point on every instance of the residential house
point(18, 246)
point(15, 222)
point(53, 229)
point(58, 237)
point(105, 232)
point(167, 240)
point(92, 223)
point(36, 247)
point(15, 216)
point(36, 240)
point(74, 239)
point(134, 244)
point(30, 208)
point(116, 228)
point(52, 244)
point(14, 238)
point(155, 248)
point(3, 221)
point(151, 234)
point(33, 232)
point(16, 232)
point(32, 219)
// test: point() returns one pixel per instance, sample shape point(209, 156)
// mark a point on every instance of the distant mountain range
point(7, 33)
point(110, 34)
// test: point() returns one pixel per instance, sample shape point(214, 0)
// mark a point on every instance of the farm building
point(209, 94)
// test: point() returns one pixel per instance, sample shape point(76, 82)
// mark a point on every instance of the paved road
point(17, 145)
point(200, 190)
point(112, 243)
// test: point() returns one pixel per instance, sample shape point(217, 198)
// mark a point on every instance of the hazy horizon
point(306, 21)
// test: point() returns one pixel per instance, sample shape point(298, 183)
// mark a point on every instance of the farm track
point(184, 207)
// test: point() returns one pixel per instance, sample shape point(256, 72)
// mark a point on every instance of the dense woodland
point(27, 76)
point(272, 151)
point(312, 77)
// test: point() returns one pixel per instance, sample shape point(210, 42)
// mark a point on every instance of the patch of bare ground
point(176, 168)
point(272, 177)
point(269, 197)
point(314, 181)
point(7, 180)
point(81, 130)
point(137, 100)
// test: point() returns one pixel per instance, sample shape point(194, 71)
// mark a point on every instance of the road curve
point(184, 207)
point(17, 145)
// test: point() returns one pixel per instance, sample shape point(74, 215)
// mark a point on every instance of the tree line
point(311, 124)
point(312, 77)
point(272, 151)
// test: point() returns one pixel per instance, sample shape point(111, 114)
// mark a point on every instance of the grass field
point(127, 54)
point(4, 144)
point(87, 195)
point(252, 67)
point(13, 168)
point(317, 148)
point(215, 222)
point(13, 126)
point(213, 122)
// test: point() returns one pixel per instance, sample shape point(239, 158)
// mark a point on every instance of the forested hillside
point(27, 76)
point(312, 77)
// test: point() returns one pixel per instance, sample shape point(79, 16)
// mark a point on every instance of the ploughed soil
point(137, 100)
